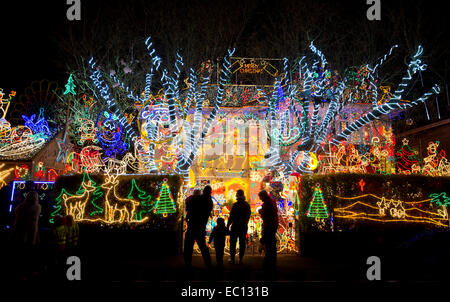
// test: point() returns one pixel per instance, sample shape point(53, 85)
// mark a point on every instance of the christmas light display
point(114, 205)
point(19, 189)
point(406, 158)
point(76, 204)
point(317, 88)
point(40, 126)
point(87, 131)
point(312, 119)
point(317, 207)
point(4, 103)
point(94, 203)
point(70, 86)
point(39, 171)
point(380, 209)
point(431, 162)
point(164, 202)
point(4, 173)
point(440, 199)
point(22, 172)
point(23, 142)
point(109, 133)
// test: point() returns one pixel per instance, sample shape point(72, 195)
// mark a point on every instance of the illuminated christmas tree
point(164, 203)
point(406, 158)
point(317, 207)
point(70, 86)
point(144, 199)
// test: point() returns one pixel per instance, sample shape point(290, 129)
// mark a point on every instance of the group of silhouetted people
point(25, 237)
point(199, 209)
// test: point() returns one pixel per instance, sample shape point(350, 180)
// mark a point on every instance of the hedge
point(149, 186)
point(410, 188)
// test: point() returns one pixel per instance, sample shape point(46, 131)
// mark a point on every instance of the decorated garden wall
point(125, 201)
point(394, 206)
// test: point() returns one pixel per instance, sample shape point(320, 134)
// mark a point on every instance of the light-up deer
point(125, 207)
point(75, 205)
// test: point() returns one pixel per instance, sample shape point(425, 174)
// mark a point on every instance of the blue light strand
point(103, 88)
point(313, 126)
point(223, 78)
point(185, 162)
point(192, 90)
point(199, 110)
point(285, 68)
point(426, 110)
point(382, 110)
point(170, 95)
point(383, 59)
point(155, 63)
point(437, 106)
point(130, 93)
point(176, 80)
point(414, 66)
point(316, 51)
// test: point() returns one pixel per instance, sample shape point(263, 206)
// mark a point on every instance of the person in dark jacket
point(25, 234)
point(269, 215)
point(218, 236)
point(72, 234)
point(239, 217)
point(198, 212)
point(189, 202)
point(25, 228)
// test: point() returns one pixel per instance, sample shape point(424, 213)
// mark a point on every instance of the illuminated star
point(405, 141)
point(64, 147)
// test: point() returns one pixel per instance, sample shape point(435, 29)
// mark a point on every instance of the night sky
point(31, 32)
point(28, 46)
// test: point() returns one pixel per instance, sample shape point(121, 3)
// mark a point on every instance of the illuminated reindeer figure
point(114, 204)
point(40, 126)
point(76, 204)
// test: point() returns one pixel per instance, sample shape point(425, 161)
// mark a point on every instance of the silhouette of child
point(72, 233)
point(218, 236)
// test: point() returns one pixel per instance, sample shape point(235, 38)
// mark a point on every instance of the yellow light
point(313, 162)
point(191, 178)
point(398, 210)
point(125, 208)
point(4, 174)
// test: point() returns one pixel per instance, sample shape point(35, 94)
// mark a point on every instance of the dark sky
point(29, 47)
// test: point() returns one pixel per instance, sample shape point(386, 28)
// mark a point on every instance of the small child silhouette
point(218, 236)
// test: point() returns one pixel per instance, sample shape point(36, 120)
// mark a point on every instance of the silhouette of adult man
point(269, 215)
point(189, 202)
point(198, 212)
point(239, 216)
